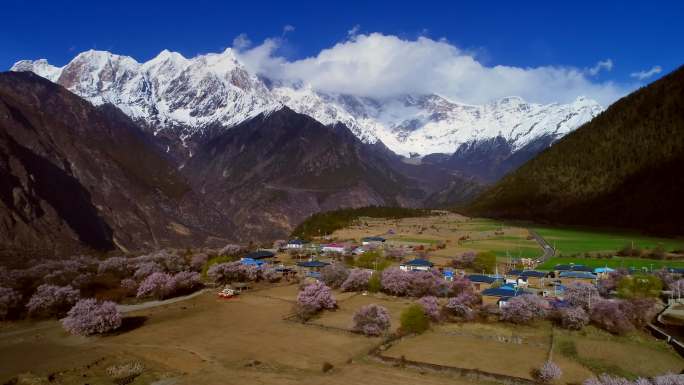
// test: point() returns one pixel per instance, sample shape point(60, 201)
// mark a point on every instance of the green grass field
point(614, 262)
point(578, 241)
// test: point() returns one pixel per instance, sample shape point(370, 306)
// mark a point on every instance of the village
point(436, 299)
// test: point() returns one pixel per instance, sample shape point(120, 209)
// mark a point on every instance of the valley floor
point(250, 340)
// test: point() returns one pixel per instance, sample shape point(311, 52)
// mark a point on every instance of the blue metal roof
point(482, 278)
point(295, 242)
point(419, 262)
point(373, 239)
point(503, 291)
point(312, 264)
point(577, 274)
point(261, 254)
point(573, 268)
point(251, 261)
point(603, 270)
point(533, 273)
point(514, 272)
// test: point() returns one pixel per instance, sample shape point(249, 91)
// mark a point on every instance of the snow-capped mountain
point(187, 95)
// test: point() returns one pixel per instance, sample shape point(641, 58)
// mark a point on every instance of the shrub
point(334, 275)
point(639, 286)
point(374, 283)
point(524, 309)
point(317, 296)
point(573, 318)
point(581, 294)
point(89, 316)
point(304, 312)
point(10, 299)
point(50, 300)
point(414, 320)
point(157, 285)
point(125, 373)
point(371, 320)
point(610, 315)
point(430, 306)
point(357, 280)
point(484, 262)
point(548, 372)
point(395, 281)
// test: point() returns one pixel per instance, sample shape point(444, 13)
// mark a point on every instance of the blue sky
point(634, 36)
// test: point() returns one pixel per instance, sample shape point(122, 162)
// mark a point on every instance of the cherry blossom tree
point(50, 300)
point(334, 275)
point(10, 299)
point(573, 318)
point(431, 307)
point(581, 294)
point(317, 296)
point(395, 281)
point(371, 320)
point(609, 314)
point(548, 372)
point(357, 280)
point(90, 316)
point(524, 309)
point(156, 285)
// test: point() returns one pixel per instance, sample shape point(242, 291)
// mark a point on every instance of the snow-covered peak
point(215, 89)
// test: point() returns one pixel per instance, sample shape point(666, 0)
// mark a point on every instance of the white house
point(334, 248)
point(416, 265)
point(294, 244)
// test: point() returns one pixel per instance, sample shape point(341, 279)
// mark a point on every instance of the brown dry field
point(205, 340)
point(448, 228)
point(342, 317)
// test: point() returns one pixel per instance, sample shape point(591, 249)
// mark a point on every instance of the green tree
point(414, 320)
point(485, 261)
point(372, 260)
point(639, 286)
point(374, 283)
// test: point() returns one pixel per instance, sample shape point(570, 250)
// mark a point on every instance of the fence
point(660, 333)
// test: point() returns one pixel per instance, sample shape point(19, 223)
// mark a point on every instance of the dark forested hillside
point(624, 168)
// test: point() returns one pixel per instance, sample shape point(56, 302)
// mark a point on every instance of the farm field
point(204, 340)
point(614, 262)
point(632, 356)
point(458, 234)
point(569, 241)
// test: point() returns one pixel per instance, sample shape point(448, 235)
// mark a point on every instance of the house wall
point(566, 281)
point(489, 300)
point(479, 286)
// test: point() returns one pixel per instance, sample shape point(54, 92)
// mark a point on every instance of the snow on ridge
point(170, 90)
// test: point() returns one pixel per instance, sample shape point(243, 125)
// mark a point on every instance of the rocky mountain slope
point(77, 177)
point(621, 169)
point(186, 101)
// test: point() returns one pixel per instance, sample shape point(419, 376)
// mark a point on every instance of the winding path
point(549, 252)
point(151, 304)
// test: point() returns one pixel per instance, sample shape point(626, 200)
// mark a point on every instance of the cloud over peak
point(379, 65)
point(645, 74)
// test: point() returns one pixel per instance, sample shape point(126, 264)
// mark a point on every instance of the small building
point(312, 268)
point(260, 254)
point(295, 244)
point(571, 267)
point(448, 275)
point(500, 295)
point(334, 248)
point(482, 282)
point(417, 264)
point(567, 277)
point(603, 272)
point(534, 278)
point(252, 262)
point(372, 240)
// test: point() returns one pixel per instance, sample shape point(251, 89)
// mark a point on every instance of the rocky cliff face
point(79, 177)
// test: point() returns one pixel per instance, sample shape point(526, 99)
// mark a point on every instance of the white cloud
point(241, 42)
point(354, 31)
point(645, 74)
point(602, 65)
point(288, 28)
point(380, 65)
